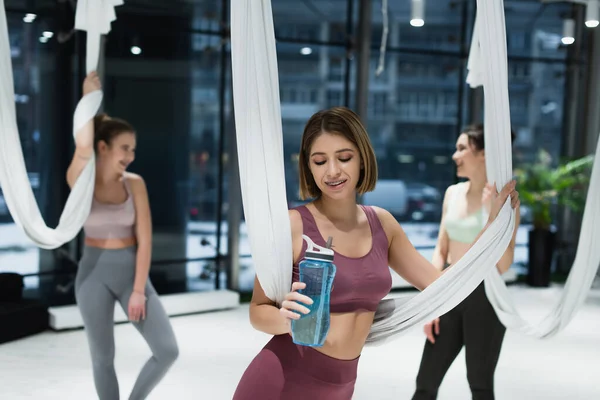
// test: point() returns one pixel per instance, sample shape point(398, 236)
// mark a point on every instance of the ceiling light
point(568, 31)
point(417, 17)
point(29, 18)
point(591, 14)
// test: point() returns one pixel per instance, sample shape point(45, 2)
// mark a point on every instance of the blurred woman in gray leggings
point(117, 254)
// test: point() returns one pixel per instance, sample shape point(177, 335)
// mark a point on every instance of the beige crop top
point(111, 221)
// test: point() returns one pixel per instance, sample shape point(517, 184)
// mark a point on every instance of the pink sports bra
point(111, 221)
point(359, 283)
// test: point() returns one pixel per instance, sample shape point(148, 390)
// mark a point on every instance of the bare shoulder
point(295, 223)
point(385, 217)
point(390, 225)
point(453, 187)
point(451, 190)
point(136, 181)
point(295, 217)
point(297, 230)
point(132, 177)
point(138, 187)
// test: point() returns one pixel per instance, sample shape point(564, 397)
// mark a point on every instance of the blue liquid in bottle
point(317, 271)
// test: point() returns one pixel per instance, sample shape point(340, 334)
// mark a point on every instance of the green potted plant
point(541, 188)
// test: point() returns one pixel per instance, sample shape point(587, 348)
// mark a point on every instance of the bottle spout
point(317, 252)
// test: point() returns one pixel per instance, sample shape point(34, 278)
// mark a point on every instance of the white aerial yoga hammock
point(259, 135)
point(95, 17)
point(260, 152)
point(587, 259)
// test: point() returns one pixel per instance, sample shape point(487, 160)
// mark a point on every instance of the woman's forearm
point(506, 260)
point(142, 267)
point(84, 150)
point(439, 260)
point(267, 318)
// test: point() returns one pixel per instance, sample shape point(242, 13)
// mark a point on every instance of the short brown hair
point(341, 121)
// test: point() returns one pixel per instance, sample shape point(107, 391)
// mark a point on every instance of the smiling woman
point(336, 163)
point(116, 138)
point(116, 258)
point(352, 152)
point(473, 323)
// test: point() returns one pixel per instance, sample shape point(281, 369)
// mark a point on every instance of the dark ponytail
point(475, 134)
point(107, 128)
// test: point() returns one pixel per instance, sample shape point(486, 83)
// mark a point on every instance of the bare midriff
point(112, 243)
point(347, 334)
point(456, 251)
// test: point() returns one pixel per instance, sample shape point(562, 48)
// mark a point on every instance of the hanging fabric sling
point(94, 17)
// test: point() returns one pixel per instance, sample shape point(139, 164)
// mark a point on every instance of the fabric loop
point(93, 16)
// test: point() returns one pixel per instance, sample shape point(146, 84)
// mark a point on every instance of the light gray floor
point(217, 347)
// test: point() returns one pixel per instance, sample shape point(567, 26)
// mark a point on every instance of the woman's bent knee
point(168, 353)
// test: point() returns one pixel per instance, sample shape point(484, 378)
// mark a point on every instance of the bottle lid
point(316, 252)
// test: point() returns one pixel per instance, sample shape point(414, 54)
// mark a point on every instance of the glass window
point(175, 89)
point(537, 110)
point(537, 106)
point(30, 51)
point(415, 111)
point(413, 123)
point(534, 29)
point(170, 93)
point(441, 29)
point(310, 21)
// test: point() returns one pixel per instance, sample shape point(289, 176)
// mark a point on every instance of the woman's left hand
point(499, 199)
point(137, 307)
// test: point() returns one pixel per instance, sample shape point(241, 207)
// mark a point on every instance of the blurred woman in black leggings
point(473, 323)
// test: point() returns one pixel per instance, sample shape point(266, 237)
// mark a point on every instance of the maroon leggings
point(286, 371)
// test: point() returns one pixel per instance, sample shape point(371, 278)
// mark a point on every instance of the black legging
point(474, 324)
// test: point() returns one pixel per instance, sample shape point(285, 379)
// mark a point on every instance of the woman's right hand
point(498, 199)
point(292, 300)
point(432, 329)
point(91, 83)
